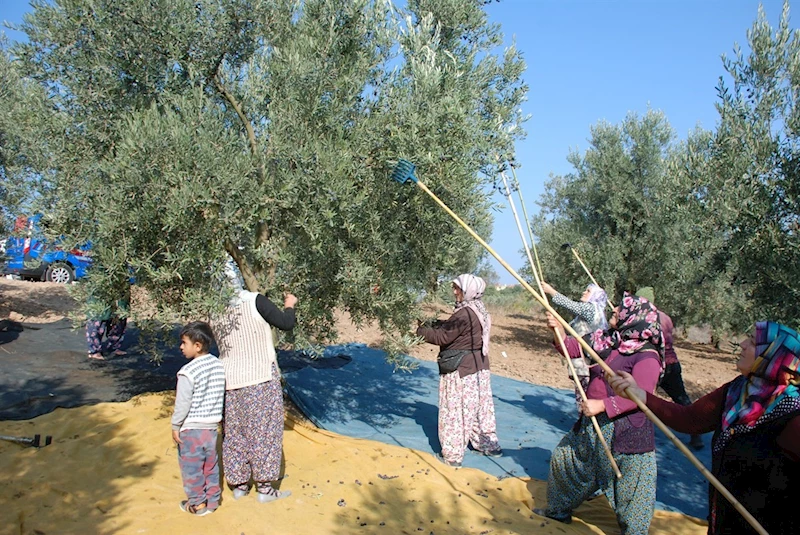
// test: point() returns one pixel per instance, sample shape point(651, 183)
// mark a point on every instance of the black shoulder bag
point(449, 359)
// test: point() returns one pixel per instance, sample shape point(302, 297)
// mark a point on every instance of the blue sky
point(589, 61)
point(598, 60)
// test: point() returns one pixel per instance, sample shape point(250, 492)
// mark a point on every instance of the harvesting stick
point(404, 171)
point(564, 351)
point(528, 224)
point(574, 252)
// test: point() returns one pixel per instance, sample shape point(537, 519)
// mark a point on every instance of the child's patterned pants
point(197, 457)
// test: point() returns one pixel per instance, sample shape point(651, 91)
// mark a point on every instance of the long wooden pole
point(564, 351)
point(591, 352)
point(586, 269)
point(528, 224)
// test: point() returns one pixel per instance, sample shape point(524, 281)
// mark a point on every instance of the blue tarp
point(353, 391)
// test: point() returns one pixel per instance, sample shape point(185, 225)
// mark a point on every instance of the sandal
point(96, 356)
point(543, 512)
point(271, 494)
point(441, 459)
point(197, 510)
point(120, 353)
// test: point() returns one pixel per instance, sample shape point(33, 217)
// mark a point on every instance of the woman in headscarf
point(672, 378)
point(589, 312)
point(466, 408)
point(252, 446)
point(590, 316)
point(578, 466)
point(755, 450)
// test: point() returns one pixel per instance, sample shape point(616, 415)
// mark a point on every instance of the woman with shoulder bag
point(466, 408)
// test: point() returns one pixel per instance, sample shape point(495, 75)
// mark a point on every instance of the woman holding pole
point(578, 466)
point(589, 311)
point(755, 451)
point(590, 316)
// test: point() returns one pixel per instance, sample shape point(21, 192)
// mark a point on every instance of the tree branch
point(251, 134)
point(262, 230)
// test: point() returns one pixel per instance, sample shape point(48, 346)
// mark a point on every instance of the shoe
point(239, 493)
point(271, 495)
point(543, 512)
point(696, 442)
point(448, 463)
point(196, 510)
point(491, 453)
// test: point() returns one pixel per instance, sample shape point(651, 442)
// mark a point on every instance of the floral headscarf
point(774, 376)
point(638, 328)
point(473, 287)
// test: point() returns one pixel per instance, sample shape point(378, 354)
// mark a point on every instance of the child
point(198, 411)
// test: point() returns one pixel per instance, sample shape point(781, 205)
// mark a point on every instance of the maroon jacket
point(670, 357)
point(462, 330)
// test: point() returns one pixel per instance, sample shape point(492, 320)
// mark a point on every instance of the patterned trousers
point(253, 441)
point(114, 328)
point(579, 467)
point(197, 457)
point(466, 414)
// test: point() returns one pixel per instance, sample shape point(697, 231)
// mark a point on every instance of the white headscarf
point(473, 287)
point(234, 280)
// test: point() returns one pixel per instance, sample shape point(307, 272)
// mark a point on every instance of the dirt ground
point(521, 348)
point(520, 344)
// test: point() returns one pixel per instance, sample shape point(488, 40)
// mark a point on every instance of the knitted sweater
point(200, 394)
point(245, 342)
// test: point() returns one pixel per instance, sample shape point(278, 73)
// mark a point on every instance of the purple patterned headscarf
point(638, 328)
point(598, 298)
point(473, 287)
point(597, 295)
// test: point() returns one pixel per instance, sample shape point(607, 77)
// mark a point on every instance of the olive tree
point(266, 131)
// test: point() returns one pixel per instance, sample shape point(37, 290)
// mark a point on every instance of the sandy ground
point(112, 467)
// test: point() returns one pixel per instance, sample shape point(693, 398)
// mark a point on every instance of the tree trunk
point(249, 276)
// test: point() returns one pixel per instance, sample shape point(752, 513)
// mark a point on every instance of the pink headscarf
point(472, 287)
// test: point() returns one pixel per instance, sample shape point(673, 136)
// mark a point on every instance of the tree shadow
point(707, 351)
point(694, 389)
point(55, 354)
point(450, 503)
point(33, 299)
point(74, 484)
point(9, 330)
point(363, 400)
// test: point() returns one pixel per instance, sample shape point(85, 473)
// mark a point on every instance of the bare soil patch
point(521, 348)
point(34, 302)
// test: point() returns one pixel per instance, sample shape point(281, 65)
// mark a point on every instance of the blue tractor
point(30, 256)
